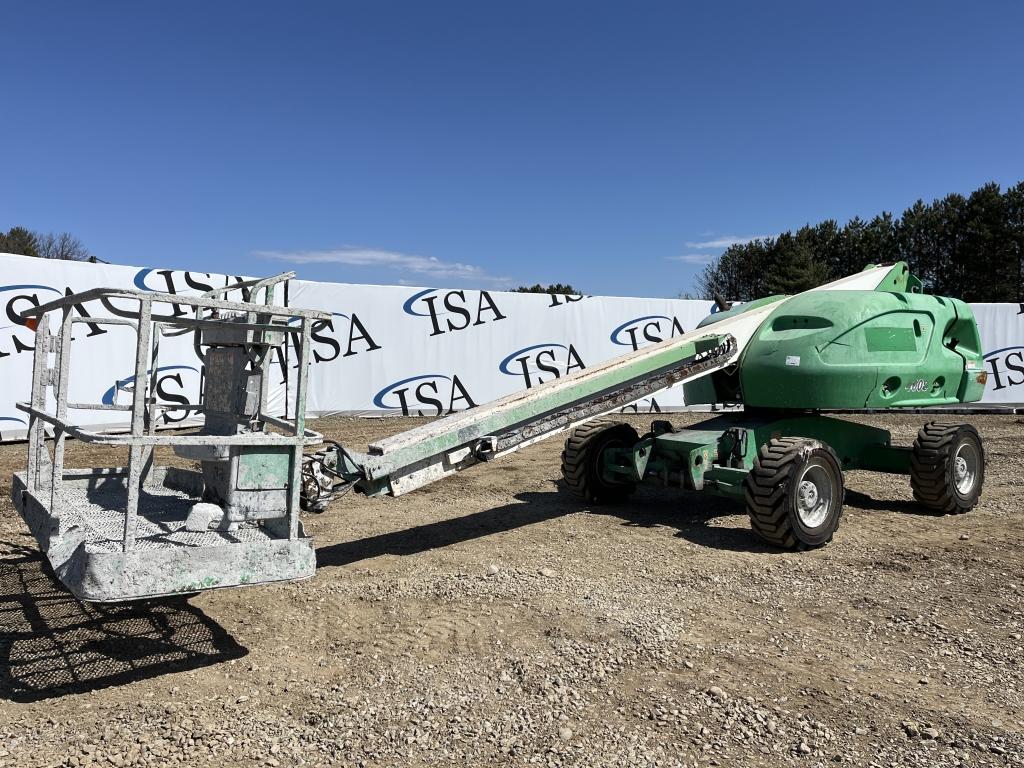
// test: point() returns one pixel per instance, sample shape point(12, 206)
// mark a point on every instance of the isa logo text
point(539, 363)
point(428, 394)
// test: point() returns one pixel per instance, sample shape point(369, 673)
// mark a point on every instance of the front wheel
point(794, 493)
point(947, 467)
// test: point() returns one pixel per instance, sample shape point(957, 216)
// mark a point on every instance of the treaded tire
point(581, 460)
point(772, 491)
point(934, 467)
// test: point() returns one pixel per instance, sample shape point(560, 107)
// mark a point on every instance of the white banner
point(424, 351)
point(1002, 338)
point(102, 356)
point(388, 348)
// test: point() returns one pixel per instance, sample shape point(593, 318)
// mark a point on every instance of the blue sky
point(616, 147)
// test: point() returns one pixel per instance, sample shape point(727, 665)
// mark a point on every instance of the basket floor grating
point(99, 511)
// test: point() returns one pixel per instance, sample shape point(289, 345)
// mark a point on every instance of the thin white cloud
point(428, 267)
point(724, 242)
point(692, 258)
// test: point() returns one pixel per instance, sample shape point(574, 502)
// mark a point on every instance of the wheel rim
point(814, 494)
point(965, 469)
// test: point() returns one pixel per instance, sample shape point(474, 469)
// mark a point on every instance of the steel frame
point(148, 317)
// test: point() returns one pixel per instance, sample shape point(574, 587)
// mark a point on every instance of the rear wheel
point(794, 493)
point(583, 459)
point(947, 467)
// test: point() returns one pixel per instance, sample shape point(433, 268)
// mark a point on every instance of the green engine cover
point(863, 349)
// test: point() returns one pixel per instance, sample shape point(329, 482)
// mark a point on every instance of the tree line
point(971, 248)
point(48, 245)
point(558, 289)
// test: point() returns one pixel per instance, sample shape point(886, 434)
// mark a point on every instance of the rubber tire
point(772, 506)
point(931, 467)
point(581, 461)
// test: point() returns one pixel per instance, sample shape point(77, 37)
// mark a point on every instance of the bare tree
point(62, 246)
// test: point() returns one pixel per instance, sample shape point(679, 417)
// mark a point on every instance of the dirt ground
point(490, 620)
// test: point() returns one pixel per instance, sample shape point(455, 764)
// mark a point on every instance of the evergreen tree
point(21, 241)
point(1014, 210)
point(796, 267)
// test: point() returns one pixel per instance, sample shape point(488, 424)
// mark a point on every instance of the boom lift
point(870, 340)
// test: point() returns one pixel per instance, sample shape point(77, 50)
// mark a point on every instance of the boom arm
point(412, 459)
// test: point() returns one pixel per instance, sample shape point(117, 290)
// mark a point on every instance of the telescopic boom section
point(430, 452)
point(412, 459)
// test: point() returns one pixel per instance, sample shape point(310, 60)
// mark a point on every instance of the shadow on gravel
point(53, 645)
point(691, 514)
point(694, 515)
point(530, 508)
point(865, 502)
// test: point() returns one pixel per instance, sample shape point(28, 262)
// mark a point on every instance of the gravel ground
point(492, 620)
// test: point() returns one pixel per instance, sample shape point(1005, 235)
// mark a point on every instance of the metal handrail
point(105, 438)
point(255, 285)
point(158, 297)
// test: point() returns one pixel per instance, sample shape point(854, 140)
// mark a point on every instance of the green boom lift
point(869, 341)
